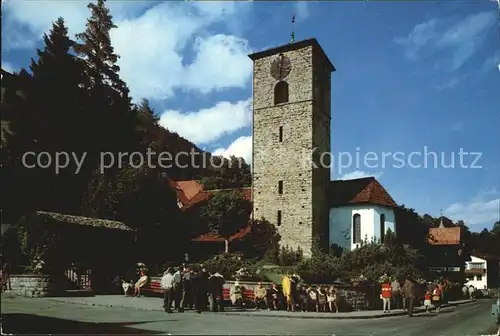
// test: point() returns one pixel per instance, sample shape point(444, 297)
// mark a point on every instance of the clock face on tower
point(281, 67)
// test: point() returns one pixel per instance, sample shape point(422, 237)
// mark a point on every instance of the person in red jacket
point(386, 294)
point(427, 301)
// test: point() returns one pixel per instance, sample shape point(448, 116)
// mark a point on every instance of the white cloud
point(207, 125)
point(163, 46)
point(357, 174)
point(7, 67)
point(241, 147)
point(476, 212)
point(461, 38)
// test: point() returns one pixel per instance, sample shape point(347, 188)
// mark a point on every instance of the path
point(47, 316)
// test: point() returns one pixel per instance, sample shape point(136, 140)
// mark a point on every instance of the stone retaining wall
point(30, 285)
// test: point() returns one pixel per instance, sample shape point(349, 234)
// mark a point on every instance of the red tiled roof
point(191, 193)
point(213, 237)
point(444, 236)
point(189, 188)
point(364, 190)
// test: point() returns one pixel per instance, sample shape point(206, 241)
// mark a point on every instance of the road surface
point(29, 316)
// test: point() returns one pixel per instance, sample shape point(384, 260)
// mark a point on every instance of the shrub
point(39, 244)
point(262, 242)
point(226, 264)
point(289, 257)
point(320, 268)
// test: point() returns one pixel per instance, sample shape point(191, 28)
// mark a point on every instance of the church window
point(280, 187)
point(281, 134)
point(281, 93)
point(382, 228)
point(278, 220)
point(356, 229)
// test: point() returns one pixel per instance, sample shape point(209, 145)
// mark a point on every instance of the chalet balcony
point(475, 271)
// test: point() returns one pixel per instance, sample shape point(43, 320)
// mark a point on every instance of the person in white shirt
point(167, 284)
point(179, 304)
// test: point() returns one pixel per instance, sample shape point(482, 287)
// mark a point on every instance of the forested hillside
point(72, 99)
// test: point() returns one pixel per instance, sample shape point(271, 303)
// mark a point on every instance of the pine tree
point(57, 75)
point(95, 45)
point(109, 95)
point(46, 121)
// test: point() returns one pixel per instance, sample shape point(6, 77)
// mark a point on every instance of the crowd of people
point(295, 295)
point(404, 295)
point(193, 288)
point(196, 288)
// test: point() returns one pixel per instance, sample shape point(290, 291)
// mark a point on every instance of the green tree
point(109, 100)
point(95, 45)
point(263, 241)
point(226, 212)
point(495, 230)
point(147, 126)
point(226, 173)
point(41, 120)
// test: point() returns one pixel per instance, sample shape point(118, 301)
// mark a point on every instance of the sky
point(416, 76)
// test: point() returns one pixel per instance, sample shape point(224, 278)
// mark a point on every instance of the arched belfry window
point(356, 229)
point(281, 93)
point(382, 227)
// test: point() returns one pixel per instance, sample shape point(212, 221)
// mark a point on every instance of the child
point(427, 301)
point(321, 299)
point(331, 298)
point(312, 298)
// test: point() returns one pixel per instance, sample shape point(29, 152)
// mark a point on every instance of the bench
point(248, 293)
point(153, 287)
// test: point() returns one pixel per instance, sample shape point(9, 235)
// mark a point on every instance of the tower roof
point(312, 42)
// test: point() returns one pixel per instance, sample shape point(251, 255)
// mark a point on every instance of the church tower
point(291, 130)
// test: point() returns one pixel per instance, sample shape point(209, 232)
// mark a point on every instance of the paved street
point(22, 315)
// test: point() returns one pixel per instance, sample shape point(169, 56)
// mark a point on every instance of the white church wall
point(341, 219)
point(390, 220)
point(341, 228)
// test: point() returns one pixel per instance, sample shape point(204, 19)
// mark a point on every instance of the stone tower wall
point(306, 125)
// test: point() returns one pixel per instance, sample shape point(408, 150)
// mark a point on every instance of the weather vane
point(293, 29)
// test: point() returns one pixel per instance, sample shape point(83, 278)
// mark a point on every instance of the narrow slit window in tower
point(280, 187)
point(278, 220)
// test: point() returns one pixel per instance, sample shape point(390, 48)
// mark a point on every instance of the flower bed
point(30, 285)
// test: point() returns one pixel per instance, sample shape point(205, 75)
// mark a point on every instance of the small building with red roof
point(360, 210)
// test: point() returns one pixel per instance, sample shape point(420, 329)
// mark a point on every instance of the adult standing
point(286, 284)
point(178, 290)
point(409, 294)
point(199, 283)
point(216, 297)
point(396, 294)
point(205, 276)
point(187, 289)
point(167, 284)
